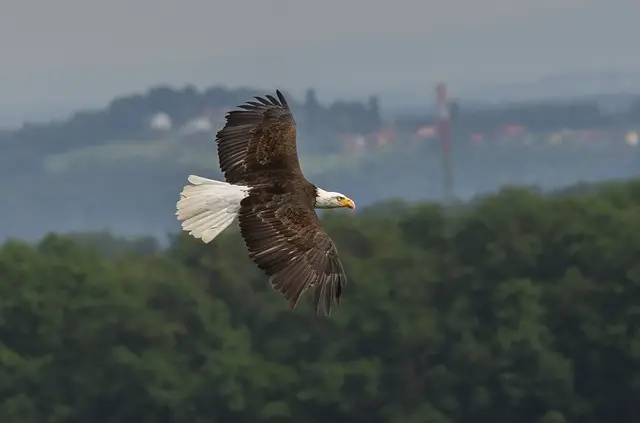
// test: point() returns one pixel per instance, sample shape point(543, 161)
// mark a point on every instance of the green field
point(178, 152)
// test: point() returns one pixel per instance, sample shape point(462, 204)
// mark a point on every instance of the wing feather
point(258, 140)
point(285, 239)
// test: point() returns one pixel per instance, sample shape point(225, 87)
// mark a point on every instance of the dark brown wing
point(283, 235)
point(258, 140)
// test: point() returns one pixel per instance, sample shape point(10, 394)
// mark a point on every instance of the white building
point(161, 122)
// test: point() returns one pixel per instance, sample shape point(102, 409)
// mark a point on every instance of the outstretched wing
point(258, 141)
point(283, 235)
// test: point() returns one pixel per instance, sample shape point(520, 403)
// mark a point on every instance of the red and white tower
point(444, 133)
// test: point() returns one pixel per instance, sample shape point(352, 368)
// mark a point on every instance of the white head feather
point(332, 200)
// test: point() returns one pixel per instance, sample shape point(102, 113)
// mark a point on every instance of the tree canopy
point(517, 307)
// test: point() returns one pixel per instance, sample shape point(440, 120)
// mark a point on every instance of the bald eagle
point(274, 203)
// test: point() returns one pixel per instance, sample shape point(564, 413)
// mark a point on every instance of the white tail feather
point(207, 207)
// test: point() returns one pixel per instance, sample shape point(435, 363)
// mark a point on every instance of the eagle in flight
point(274, 203)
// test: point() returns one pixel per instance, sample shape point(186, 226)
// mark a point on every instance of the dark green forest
point(514, 308)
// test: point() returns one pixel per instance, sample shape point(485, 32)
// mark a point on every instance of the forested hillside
point(519, 308)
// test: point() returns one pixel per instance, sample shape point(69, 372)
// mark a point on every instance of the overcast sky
point(87, 51)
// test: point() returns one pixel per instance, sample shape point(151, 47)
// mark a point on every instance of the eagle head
point(333, 200)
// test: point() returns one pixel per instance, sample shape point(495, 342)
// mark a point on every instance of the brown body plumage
point(257, 149)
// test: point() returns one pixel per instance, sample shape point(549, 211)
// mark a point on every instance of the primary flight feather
point(274, 203)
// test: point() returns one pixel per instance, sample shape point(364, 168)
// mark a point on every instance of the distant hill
point(107, 169)
point(129, 117)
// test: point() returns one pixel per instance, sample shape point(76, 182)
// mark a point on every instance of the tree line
point(127, 117)
point(516, 307)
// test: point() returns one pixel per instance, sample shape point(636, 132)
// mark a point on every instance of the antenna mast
point(444, 133)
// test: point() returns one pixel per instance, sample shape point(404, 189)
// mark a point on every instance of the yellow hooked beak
point(348, 203)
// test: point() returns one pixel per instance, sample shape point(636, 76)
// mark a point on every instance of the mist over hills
point(602, 85)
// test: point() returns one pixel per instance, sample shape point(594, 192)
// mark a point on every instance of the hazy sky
point(85, 52)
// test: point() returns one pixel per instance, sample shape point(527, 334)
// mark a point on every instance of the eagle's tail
point(207, 207)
